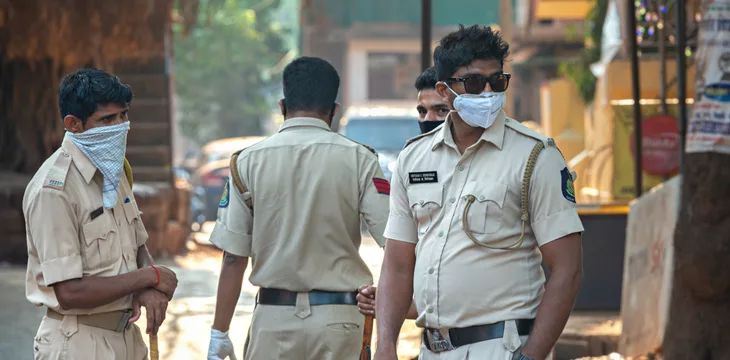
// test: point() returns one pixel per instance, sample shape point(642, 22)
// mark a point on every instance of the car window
point(382, 134)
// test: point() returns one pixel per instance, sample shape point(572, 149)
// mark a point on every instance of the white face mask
point(105, 146)
point(479, 110)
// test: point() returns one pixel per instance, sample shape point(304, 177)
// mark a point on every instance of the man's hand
point(168, 282)
point(220, 346)
point(155, 302)
point(366, 300)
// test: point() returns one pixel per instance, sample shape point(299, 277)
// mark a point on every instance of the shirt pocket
point(425, 202)
point(134, 219)
point(102, 248)
point(485, 213)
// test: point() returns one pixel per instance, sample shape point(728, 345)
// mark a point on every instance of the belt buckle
point(124, 321)
point(440, 340)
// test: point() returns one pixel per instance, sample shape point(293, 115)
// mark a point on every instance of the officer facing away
point(87, 259)
point(475, 206)
point(294, 205)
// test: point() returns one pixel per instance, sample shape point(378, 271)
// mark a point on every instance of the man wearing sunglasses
point(475, 206)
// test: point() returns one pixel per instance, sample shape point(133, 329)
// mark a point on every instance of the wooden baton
point(154, 353)
point(367, 337)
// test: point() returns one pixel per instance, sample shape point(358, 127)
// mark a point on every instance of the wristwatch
point(522, 357)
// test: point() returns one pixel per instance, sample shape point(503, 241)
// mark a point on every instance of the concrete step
point(151, 173)
point(589, 334)
point(149, 134)
point(148, 155)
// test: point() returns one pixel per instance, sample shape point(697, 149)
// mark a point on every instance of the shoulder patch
point(566, 181)
point(56, 177)
point(226, 198)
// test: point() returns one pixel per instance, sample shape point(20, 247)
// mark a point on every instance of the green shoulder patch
point(226, 198)
point(567, 185)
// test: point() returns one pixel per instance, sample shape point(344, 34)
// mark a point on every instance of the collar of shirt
point(494, 134)
point(304, 122)
point(85, 166)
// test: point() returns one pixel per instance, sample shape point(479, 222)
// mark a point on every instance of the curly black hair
point(465, 45)
point(427, 80)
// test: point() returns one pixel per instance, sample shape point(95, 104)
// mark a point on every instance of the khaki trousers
point(496, 349)
point(322, 332)
point(67, 339)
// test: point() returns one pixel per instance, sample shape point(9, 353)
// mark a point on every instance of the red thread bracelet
point(158, 275)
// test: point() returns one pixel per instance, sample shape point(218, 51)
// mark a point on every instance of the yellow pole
point(505, 24)
point(154, 353)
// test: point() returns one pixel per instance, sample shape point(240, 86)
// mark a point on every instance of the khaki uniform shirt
point(309, 187)
point(456, 282)
point(64, 242)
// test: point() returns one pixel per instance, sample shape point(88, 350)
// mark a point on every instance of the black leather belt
point(316, 297)
point(436, 341)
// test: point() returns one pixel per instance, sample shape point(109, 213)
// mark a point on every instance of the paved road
point(186, 331)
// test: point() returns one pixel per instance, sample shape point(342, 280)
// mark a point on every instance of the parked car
point(197, 199)
point(214, 171)
point(384, 127)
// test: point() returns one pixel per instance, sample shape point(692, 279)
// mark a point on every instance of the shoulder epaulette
point(418, 137)
point(361, 144)
point(56, 177)
point(524, 130)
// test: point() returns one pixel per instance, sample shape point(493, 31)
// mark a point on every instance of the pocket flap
point(422, 195)
point(494, 192)
point(98, 228)
point(131, 211)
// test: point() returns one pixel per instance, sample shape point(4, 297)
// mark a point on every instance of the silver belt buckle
point(439, 340)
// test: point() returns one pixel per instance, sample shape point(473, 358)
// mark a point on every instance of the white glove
point(220, 346)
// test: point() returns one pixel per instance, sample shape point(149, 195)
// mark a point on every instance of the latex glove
point(220, 346)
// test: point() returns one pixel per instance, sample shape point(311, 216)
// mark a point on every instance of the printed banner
point(709, 127)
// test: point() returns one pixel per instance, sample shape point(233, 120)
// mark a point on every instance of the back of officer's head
point(310, 86)
point(462, 47)
point(83, 91)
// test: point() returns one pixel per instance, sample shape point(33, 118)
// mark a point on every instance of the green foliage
point(579, 71)
point(223, 68)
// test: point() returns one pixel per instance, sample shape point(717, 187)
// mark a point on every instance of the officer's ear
point(335, 108)
point(445, 93)
point(282, 106)
point(73, 124)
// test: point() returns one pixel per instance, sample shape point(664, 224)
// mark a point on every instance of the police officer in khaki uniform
point(294, 205)
point(476, 206)
point(87, 259)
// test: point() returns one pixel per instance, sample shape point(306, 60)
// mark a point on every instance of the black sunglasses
point(475, 84)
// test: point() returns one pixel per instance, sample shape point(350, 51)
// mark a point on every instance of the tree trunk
point(30, 124)
point(699, 311)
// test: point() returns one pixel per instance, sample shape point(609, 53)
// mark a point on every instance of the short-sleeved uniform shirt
point(64, 242)
point(309, 188)
point(458, 283)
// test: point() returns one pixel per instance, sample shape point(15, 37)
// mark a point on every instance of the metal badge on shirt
point(424, 177)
